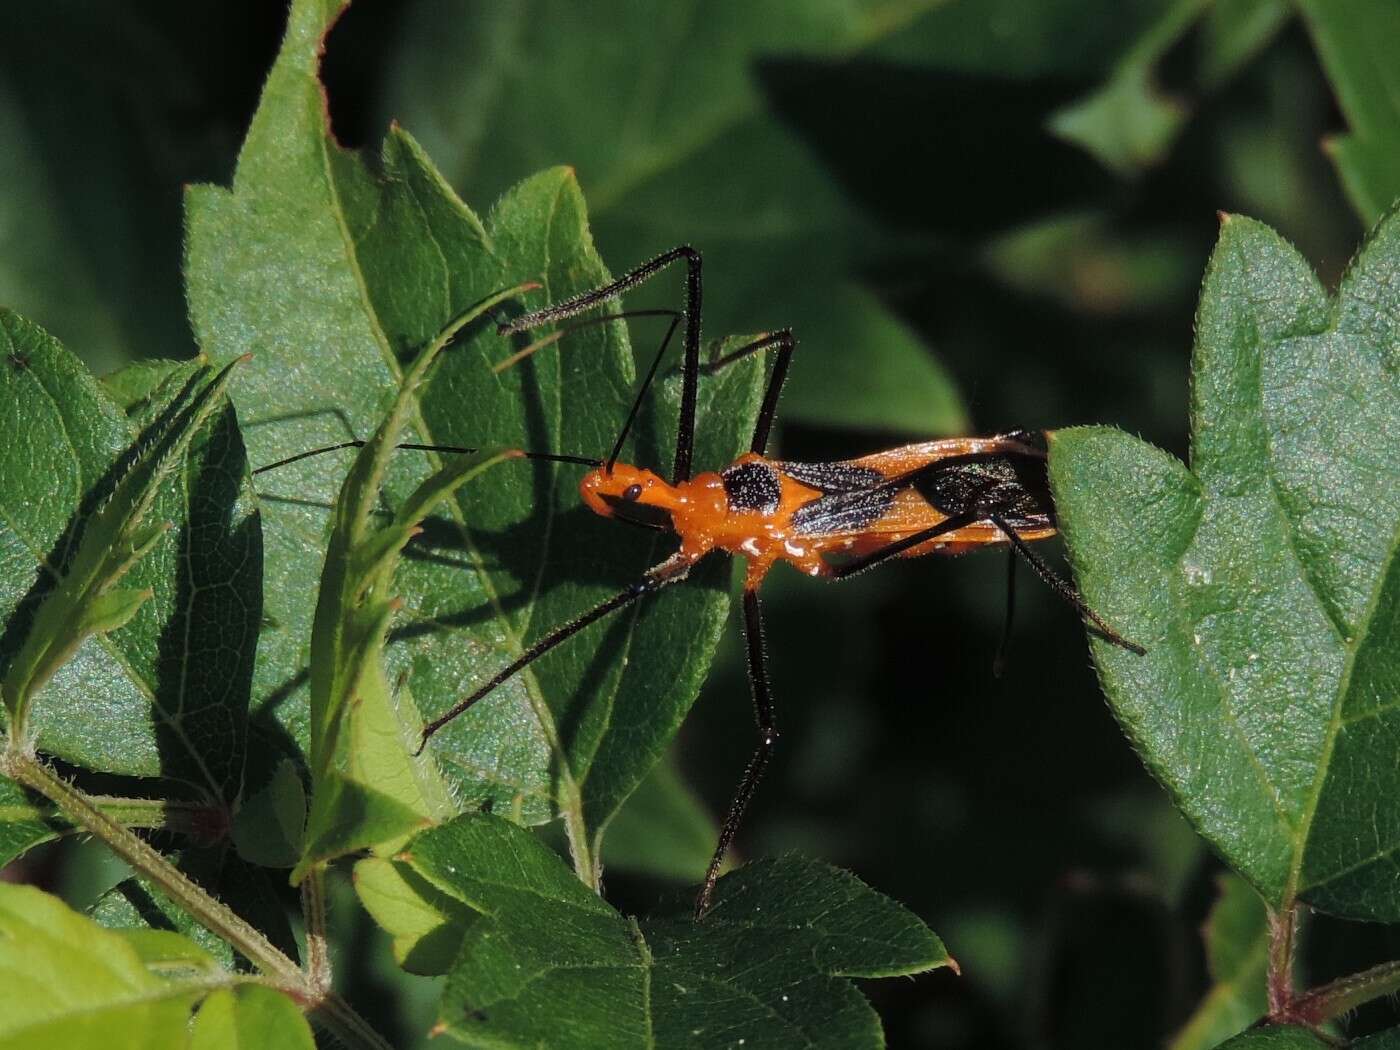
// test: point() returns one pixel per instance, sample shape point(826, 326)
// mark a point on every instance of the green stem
point(208, 912)
point(576, 830)
point(329, 1009)
point(1341, 996)
point(196, 819)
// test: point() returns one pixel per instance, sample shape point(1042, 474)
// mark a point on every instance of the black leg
point(670, 571)
point(999, 661)
point(1062, 587)
point(786, 344)
point(767, 736)
point(947, 525)
point(568, 329)
point(685, 432)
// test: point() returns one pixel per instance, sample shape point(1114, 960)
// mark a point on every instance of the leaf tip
point(1224, 217)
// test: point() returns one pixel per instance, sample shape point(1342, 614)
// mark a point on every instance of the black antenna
point(641, 392)
point(548, 457)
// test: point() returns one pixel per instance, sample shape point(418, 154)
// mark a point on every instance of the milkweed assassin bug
point(831, 520)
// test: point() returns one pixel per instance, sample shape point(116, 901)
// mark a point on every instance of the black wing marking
point(752, 486)
point(843, 511)
point(1013, 485)
point(853, 497)
point(828, 478)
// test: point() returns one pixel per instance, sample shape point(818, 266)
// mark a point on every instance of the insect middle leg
point(767, 737)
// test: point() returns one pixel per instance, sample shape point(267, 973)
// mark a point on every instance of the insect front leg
point(672, 570)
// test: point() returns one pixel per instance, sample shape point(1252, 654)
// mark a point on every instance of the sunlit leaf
point(1263, 580)
point(65, 981)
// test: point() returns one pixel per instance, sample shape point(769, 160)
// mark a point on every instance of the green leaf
point(65, 981)
point(883, 378)
point(370, 787)
point(85, 493)
point(766, 965)
point(268, 827)
point(1356, 41)
point(25, 821)
point(1263, 581)
point(426, 924)
point(250, 1017)
point(1237, 954)
point(136, 385)
point(616, 99)
point(1281, 1037)
point(1387, 1040)
point(335, 276)
point(1128, 123)
point(171, 954)
point(662, 830)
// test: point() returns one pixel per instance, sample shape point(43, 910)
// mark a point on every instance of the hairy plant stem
point(1283, 927)
point(1332, 1000)
point(215, 916)
point(313, 908)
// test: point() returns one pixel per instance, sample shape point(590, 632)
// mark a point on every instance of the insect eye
point(632, 492)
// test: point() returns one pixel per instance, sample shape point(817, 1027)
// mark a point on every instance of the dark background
point(1054, 288)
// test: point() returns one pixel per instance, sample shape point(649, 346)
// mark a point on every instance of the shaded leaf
point(1263, 580)
point(1237, 954)
point(765, 966)
point(662, 830)
point(1356, 41)
point(615, 99)
point(268, 827)
point(86, 492)
point(1282, 1037)
point(25, 821)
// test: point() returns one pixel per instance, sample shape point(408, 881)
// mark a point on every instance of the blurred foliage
point(1018, 197)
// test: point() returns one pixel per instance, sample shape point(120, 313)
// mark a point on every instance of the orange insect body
point(779, 519)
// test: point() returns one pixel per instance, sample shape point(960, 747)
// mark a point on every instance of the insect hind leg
point(1063, 587)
